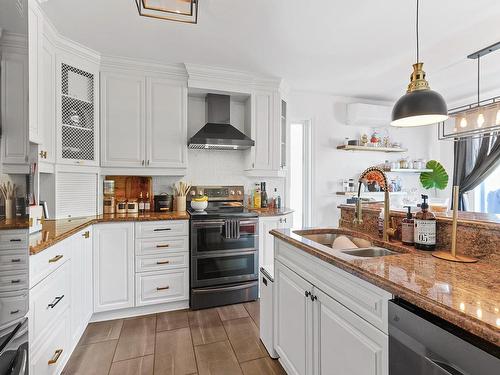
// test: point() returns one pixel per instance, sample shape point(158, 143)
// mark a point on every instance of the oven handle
point(20, 363)
point(207, 223)
point(226, 288)
point(443, 368)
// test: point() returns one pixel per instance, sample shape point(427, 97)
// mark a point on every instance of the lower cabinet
point(266, 240)
point(113, 266)
point(315, 334)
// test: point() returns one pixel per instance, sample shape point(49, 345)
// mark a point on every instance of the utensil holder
point(9, 208)
point(180, 203)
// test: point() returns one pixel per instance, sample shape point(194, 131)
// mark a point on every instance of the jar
point(109, 187)
point(403, 163)
point(132, 206)
point(351, 185)
point(109, 205)
point(394, 165)
point(121, 207)
point(387, 166)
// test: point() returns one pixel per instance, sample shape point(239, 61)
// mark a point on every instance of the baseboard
point(139, 311)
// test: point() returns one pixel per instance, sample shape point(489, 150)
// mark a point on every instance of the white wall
point(327, 115)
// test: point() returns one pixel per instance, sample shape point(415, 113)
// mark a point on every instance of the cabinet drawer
point(164, 261)
point(50, 356)
point(48, 300)
point(13, 239)
point(160, 287)
point(13, 280)
point(45, 262)
point(154, 246)
point(162, 228)
point(13, 306)
point(13, 260)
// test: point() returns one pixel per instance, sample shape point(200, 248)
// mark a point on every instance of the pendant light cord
point(478, 75)
point(417, 32)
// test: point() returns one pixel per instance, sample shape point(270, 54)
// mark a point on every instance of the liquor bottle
point(141, 203)
point(256, 197)
point(263, 195)
point(147, 203)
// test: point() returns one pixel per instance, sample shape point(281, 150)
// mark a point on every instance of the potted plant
point(437, 179)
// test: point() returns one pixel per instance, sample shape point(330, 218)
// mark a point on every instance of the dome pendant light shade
point(420, 105)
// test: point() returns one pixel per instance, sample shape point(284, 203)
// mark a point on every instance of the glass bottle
point(263, 195)
point(147, 203)
point(141, 203)
point(256, 197)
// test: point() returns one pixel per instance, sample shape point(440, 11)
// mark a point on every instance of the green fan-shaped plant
point(437, 179)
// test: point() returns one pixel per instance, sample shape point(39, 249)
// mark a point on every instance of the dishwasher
point(423, 344)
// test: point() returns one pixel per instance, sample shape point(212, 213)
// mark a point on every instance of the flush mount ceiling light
point(474, 119)
point(171, 10)
point(420, 105)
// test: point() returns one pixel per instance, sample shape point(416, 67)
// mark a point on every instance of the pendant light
point(420, 105)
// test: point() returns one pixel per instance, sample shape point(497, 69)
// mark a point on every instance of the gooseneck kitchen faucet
point(358, 219)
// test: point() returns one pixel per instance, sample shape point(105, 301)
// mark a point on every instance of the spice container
point(109, 205)
point(121, 207)
point(132, 206)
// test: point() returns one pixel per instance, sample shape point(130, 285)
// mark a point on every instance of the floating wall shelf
point(368, 193)
point(368, 148)
point(409, 170)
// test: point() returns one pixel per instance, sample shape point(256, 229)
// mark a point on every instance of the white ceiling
point(361, 48)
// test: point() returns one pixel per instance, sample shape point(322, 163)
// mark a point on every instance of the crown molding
point(13, 40)
point(140, 66)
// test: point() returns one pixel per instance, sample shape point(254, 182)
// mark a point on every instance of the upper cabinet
point(143, 122)
point(35, 29)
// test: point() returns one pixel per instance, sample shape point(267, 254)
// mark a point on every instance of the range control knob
point(231, 192)
point(239, 192)
point(193, 192)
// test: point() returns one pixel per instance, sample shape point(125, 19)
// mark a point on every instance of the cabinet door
point(87, 291)
point(166, 123)
point(122, 120)
point(48, 101)
point(266, 240)
point(34, 48)
point(14, 107)
point(263, 131)
point(113, 266)
point(344, 342)
point(75, 244)
point(286, 221)
point(293, 321)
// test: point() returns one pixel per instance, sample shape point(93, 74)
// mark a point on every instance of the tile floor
point(218, 341)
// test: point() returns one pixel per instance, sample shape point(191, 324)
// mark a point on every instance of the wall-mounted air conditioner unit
point(371, 115)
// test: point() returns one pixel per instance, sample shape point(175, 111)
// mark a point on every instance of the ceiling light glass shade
point(420, 105)
point(478, 119)
point(172, 10)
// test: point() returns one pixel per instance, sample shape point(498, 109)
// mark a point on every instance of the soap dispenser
point(425, 227)
point(408, 228)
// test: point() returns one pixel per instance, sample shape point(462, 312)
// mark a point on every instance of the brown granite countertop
point(467, 295)
point(54, 231)
point(272, 211)
point(466, 218)
point(15, 223)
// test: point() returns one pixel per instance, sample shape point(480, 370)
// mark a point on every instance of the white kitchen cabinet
point(345, 343)
point(293, 321)
point(143, 121)
point(123, 120)
point(166, 123)
point(113, 262)
point(14, 106)
point(35, 30)
point(266, 240)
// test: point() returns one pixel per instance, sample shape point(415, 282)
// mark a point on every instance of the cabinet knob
point(284, 219)
point(307, 293)
point(43, 154)
point(86, 234)
point(281, 220)
point(142, 162)
point(55, 357)
point(148, 162)
point(313, 298)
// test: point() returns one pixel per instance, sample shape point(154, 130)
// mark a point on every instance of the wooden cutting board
point(129, 187)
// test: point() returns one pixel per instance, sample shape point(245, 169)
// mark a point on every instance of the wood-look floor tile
point(262, 366)
point(244, 337)
point(102, 331)
point(172, 320)
point(174, 354)
point(253, 309)
point(137, 338)
point(134, 366)
point(92, 359)
point(206, 326)
point(232, 312)
point(216, 359)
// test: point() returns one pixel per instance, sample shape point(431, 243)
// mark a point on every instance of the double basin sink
point(345, 242)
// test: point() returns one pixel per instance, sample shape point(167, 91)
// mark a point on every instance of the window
point(300, 173)
point(487, 194)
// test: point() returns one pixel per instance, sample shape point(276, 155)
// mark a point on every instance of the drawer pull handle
point(163, 262)
point(160, 246)
point(14, 312)
point(161, 229)
point(16, 260)
point(55, 259)
point(163, 287)
point(55, 357)
point(17, 281)
point(15, 240)
point(86, 234)
point(56, 301)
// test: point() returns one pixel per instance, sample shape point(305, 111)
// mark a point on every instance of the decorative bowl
point(199, 205)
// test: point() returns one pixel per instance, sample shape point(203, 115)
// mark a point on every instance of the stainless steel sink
point(369, 252)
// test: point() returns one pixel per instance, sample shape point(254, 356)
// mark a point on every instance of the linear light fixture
point(480, 117)
point(172, 10)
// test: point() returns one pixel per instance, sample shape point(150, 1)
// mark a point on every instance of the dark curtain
point(475, 159)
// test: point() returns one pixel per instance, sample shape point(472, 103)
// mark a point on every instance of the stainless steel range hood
point(218, 133)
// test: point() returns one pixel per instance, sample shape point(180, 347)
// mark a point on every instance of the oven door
point(14, 349)
point(223, 235)
point(224, 268)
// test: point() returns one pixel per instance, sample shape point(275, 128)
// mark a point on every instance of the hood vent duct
point(218, 133)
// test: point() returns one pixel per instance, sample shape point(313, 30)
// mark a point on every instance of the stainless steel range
point(224, 249)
